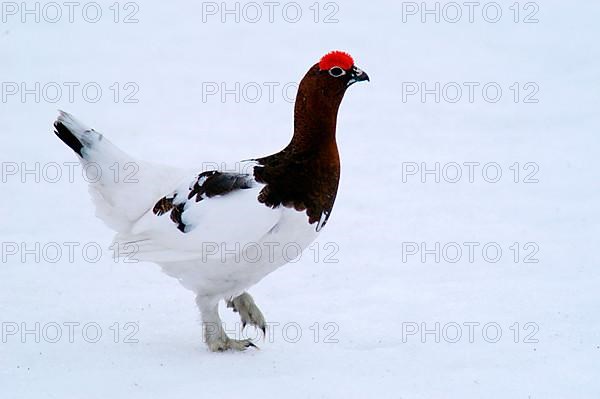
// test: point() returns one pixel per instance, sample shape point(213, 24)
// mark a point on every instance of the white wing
point(213, 208)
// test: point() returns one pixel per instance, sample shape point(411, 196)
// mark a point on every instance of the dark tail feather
point(67, 137)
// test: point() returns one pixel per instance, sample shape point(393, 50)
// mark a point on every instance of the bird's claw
point(222, 345)
point(249, 312)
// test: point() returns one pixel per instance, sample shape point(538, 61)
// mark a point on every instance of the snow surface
point(371, 296)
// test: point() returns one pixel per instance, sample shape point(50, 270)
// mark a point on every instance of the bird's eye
point(336, 72)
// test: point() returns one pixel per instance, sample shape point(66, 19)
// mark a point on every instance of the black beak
point(357, 75)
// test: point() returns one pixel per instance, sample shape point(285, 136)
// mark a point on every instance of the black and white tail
point(122, 187)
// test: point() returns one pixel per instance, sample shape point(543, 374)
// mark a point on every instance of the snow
point(368, 302)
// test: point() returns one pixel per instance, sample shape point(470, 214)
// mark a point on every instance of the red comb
point(336, 58)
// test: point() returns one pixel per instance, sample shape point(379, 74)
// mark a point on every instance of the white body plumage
point(231, 241)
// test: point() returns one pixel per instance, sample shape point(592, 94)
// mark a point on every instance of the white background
point(372, 295)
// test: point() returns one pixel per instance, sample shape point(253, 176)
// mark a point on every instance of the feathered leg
point(214, 336)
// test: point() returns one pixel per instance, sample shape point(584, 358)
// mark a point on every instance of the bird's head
point(319, 97)
point(337, 69)
point(327, 81)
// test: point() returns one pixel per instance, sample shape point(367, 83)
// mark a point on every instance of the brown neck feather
point(315, 117)
point(314, 124)
point(306, 173)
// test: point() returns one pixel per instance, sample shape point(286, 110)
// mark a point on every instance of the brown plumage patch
point(303, 183)
point(176, 214)
point(163, 206)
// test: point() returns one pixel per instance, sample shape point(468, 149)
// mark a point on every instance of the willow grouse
point(220, 232)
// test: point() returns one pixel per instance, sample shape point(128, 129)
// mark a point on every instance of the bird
point(219, 232)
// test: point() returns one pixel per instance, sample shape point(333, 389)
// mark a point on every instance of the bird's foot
point(249, 312)
point(214, 335)
point(225, 343)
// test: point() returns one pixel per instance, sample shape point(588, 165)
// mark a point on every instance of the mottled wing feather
point(163, 206)
point(215, 183)
point(206, 185)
